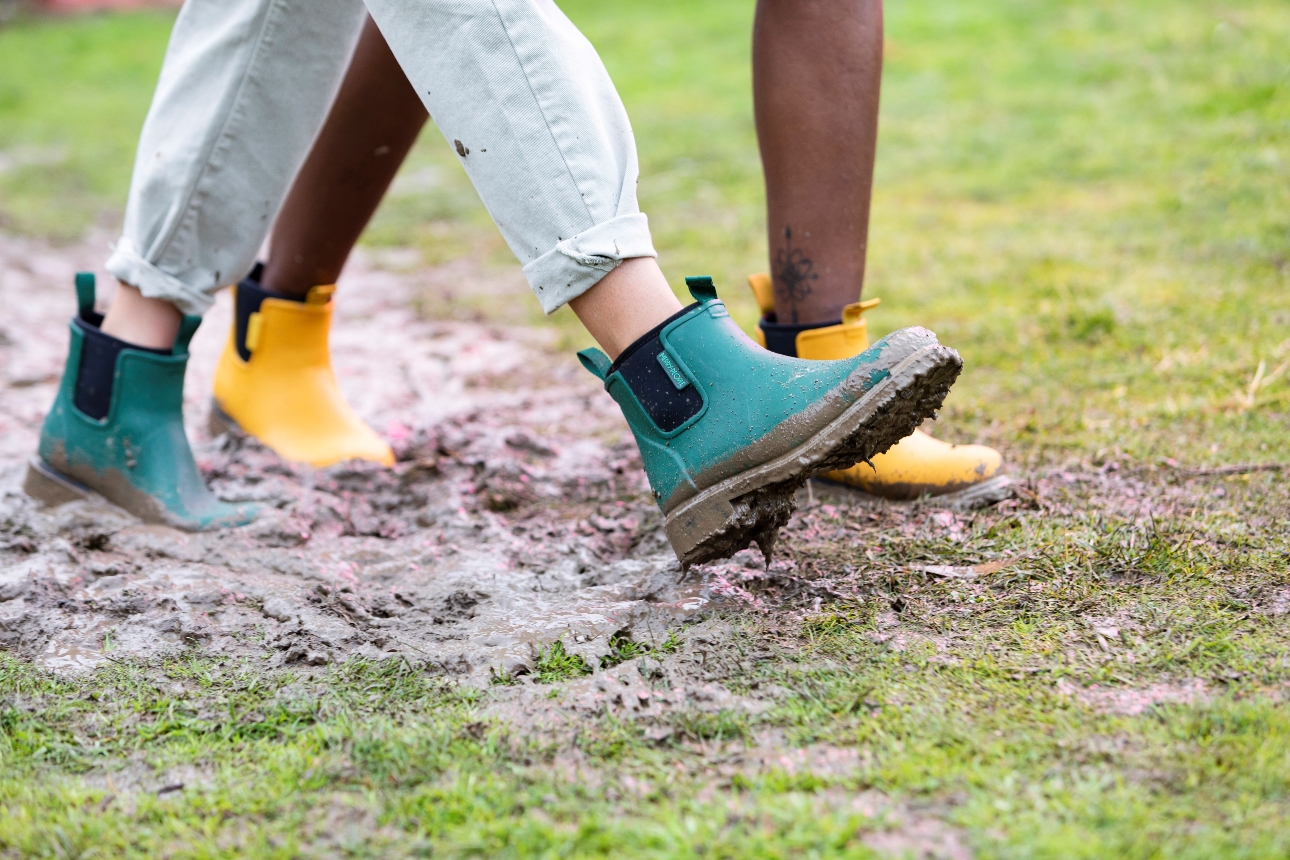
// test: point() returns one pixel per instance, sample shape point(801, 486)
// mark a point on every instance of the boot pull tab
point(702, 288)
point(852, 312)
point(187, 328)
point(85, 294)
point(596, 362)
point(320, 295)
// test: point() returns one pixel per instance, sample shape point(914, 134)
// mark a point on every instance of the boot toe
point(324, 449)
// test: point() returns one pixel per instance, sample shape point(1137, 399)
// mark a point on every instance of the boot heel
point(696, 523)
point(717, 526)
point(45, 485)
point(220, 422)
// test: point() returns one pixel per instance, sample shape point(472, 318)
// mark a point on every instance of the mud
point(517, 513)
point(1131, 701)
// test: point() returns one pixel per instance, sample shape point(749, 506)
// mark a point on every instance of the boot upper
point(284, 392)
point(705, 403)
point(138, 455)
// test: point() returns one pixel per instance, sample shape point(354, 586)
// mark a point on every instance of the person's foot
point(117, 429)
point(918, 466)
point(728, 431)
point(275, 381)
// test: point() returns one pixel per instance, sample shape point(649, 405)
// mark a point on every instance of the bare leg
point(817, 67)
point(141, 321)
point(373, 123)
point(626, 304)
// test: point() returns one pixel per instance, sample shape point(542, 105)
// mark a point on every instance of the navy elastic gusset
point(667, 406)
point(97, 368)
point(782, 339)
point(250, 295)
point(652, 334)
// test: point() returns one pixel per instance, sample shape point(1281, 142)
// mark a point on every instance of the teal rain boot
point(728, 431)
point(122, 435)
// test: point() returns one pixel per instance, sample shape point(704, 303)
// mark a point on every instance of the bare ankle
point(626, 304)
point(139, 320)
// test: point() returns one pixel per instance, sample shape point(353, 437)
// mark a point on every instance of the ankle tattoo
point(794, 272)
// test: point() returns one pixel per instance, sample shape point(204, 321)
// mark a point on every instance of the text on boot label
point(673, 372)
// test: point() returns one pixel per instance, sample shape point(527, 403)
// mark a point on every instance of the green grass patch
point(73, 95)
point(554, 664)
point(1090, 202)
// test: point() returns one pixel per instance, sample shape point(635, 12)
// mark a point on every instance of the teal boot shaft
point(727, 430)
point(138, 456)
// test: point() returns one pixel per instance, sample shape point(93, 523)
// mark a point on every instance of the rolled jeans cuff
point(577, 264)
point(128, 266)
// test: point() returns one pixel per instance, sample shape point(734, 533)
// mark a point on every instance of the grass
point(1088, 200)
point(967, 721)
point(73, 95)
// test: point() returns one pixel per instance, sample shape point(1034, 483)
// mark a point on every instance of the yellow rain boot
point(275, 381)
point(918, 466)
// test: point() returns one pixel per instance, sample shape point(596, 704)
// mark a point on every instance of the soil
point(517, 513)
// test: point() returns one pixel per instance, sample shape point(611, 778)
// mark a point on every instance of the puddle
point(68, 659)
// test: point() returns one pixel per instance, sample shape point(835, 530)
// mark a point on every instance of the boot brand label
point(673, 372)
point(717, 310)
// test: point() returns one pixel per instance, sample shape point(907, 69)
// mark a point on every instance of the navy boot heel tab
point(702, 288)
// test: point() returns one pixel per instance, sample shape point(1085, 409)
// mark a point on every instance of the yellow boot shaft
point(916, 466)
point(286, 394)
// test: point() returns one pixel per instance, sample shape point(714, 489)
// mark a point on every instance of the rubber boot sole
point(753, 505)
point(981, 495)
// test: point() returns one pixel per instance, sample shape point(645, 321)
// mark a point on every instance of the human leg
point(524, 101)
point(283, 391)
point(241, 95)
point(727, 431)
point(625, 304)
point(244, 89)
point(142, 321)
point(817, 69)
point(275, 381)
point(373, 123)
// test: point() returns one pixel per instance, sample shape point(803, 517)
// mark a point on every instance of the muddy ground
point(517, 514)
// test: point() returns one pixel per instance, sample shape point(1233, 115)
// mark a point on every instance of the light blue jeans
point(247, 84)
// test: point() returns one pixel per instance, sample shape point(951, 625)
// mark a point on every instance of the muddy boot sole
point(50, 487)
point(753, 505)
